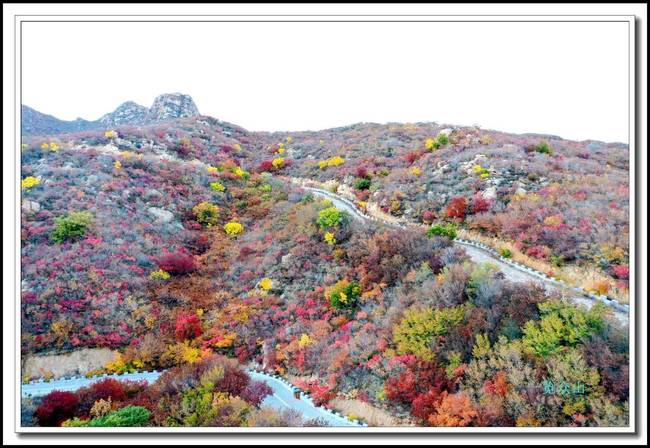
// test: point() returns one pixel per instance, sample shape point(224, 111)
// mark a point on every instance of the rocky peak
point(126, 113)
point(172, 105)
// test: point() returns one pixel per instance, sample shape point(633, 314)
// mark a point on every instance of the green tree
point(419, 326)
point(561, 325)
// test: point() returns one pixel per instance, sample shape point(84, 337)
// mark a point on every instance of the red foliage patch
point(176, 263)
point(188, 326)
point(56, 408)
point(457, 208)
point(234, 381)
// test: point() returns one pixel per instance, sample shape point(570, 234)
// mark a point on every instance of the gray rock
point(30, 206)
point(162, 216)
point(490, 193)
point(286, 258)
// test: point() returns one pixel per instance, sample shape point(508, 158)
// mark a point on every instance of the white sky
point(567, 79)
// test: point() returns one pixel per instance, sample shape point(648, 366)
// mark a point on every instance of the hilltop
point(175, 239)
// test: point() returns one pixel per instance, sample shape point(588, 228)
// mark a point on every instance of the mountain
point(34, 122)
point(126, 113)
point(165, 107)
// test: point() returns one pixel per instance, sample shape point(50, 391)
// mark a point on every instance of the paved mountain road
point(478, 255)
point(282, 398)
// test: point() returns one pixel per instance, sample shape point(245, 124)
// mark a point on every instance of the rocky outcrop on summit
point(165, 107)
point(172, 105)
point(126, 113)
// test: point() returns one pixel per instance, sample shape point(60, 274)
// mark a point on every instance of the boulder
point(162, 216)
point(30, 206)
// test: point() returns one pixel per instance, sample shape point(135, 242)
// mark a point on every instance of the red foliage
point(498, 385)
point(188, 326)
point(420, 377)
point(425, 404)
point(622, 272)
point(266, 165)
point(255, 392)
point(176, 263)
point(412, 156)
point(56, 408)
point(361, 171)
point(436, 264)
point(234, 381)
point(540, 252)
point(428, 216)
point(480, 204)
point(320, 393)
point(457, 208)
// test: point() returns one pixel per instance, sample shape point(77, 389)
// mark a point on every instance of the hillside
point(177, 239)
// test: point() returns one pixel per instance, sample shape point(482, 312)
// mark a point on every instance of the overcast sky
point(567, 79)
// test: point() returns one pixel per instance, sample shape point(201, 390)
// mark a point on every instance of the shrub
point(329, 238)
point(621, 272)
point(333, 161)
point(448, 230)
point(457, 208)
point(330, 217)
point(255, 392)
point(544, 148)
point(239, 172)
point(56, 407)
point(416, 171)
point(128, 416)
point(188, 326)
point(430, 144)
point(233, 382)
point(505, 253)
point(206, 213)
point(428, 216)
point(266, 165)
point(217, 186)
point(110, 134)
point(442, 139)
point(278, 162)
point(72, 225)
point(344, 294)
point(159, 275)
point(233, 228)
point(362, 184)
point(361, 172)
point(265, 284)
point(176, 263)
point(29, 182)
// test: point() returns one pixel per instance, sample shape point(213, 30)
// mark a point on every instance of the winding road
point(282, 397)
point(513, 271)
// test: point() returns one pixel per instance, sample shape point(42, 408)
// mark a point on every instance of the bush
point(442, 139)
point(457, 208)
point(29, 182)
point(206, 213)
point(428, 216)
point(362, 184)
point(505, 253)
point(330, 217)
point(176, 263)
point(56, 407)
point(217, 186)
point(544, 148)
point(188, 326)
point(233, 228)
point(448, 230)
point(344, 294)
point(125, 417)
point(72, 225)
